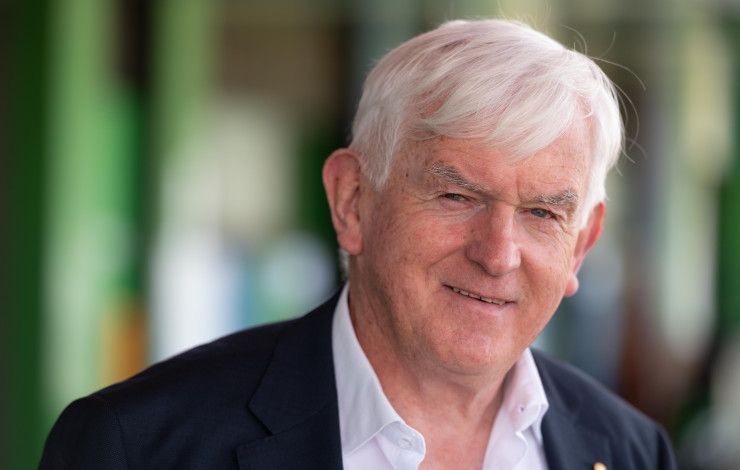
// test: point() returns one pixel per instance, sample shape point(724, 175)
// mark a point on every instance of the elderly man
point(465, 204)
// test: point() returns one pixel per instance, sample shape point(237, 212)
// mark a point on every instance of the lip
point(472, 294)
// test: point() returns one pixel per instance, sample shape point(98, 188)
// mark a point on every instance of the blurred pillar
point(184, 291)
point(90, 218)
point(378, 26)
point(697, 158)
point(182, 41)
point(729, 215)
point(710, 421)
point(24, 58)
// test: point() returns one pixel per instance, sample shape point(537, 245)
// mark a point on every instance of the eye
point(541, 213)
point(455, 197)
point(454, 201)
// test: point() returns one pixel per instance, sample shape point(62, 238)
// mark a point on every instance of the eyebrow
point(451, 175)
point(567, 198)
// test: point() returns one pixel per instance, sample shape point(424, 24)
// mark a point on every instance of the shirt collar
point(525, 401)
point(364, 409)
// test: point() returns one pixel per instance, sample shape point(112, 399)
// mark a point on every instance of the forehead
point(566, 157)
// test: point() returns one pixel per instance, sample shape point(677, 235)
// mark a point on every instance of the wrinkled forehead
point(573, 145)
point(560, 172)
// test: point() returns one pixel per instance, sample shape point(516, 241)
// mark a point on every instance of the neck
point(416, 385)
point(452, 410)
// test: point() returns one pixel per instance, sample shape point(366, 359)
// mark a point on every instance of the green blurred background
point(160, 186)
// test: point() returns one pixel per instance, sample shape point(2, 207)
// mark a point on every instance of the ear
point(587, 238)
point(342, 177)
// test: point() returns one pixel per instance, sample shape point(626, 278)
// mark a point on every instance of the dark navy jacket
point(265, 398)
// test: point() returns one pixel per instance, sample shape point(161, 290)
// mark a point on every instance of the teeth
point(493, 301)
point(484, 299)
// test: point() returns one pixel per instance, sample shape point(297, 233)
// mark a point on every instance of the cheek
point(390, 248)
point(548, 270)
point(402, 236)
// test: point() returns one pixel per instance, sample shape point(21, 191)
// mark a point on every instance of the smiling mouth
point(487, 300)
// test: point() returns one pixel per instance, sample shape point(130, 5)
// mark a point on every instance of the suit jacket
point(265, 398)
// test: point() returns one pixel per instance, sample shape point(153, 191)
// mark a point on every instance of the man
point(471, 192)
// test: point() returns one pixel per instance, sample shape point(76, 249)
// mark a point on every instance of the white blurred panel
point(226, 191)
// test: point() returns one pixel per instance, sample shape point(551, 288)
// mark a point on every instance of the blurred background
point(160, 186)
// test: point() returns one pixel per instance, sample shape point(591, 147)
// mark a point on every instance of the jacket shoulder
point(189, 411)
point(247, 351)
point(576, 390)
point(577, 399)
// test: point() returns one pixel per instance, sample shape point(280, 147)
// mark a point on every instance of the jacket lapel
point(569, 443)
point(297, 400)
point(309, 445)
point(569, 446)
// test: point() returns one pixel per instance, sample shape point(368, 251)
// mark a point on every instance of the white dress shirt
point(375, 437)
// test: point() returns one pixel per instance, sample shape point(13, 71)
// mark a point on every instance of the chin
point(475, 356)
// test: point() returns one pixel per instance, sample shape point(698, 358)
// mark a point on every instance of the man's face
point(465, 253)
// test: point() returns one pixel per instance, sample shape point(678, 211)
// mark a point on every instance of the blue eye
point(541, 213)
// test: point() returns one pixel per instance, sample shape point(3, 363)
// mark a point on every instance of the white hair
point(495, 80)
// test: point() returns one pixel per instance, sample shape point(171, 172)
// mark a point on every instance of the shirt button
point(404, 443)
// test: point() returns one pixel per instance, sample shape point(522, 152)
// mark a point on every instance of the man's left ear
point(587, 238)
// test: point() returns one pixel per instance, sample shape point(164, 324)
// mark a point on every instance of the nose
point(493, 245)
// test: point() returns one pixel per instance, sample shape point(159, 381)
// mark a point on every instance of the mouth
point(472, 295)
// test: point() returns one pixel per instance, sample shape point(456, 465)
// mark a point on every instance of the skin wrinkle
point(567, 199)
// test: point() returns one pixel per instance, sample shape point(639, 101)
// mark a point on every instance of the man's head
point(471, 192)
point(494, 80)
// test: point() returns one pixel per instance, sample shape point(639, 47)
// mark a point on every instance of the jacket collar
point(297, 400)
